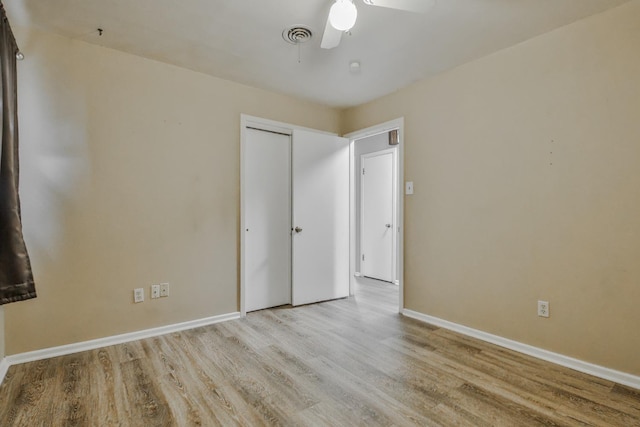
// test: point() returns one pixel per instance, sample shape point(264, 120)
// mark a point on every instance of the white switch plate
point(409, 187)
point(138, 295)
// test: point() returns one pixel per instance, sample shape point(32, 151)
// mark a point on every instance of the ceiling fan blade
point(331, 37)
point(419, 6)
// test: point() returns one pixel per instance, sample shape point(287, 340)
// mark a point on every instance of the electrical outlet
point(164, 289)
point(155, 291)
point(543, 308)
point(138, 295)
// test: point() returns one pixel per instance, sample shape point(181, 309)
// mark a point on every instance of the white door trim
point(353, 137)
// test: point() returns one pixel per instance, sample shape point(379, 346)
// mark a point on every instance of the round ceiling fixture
point(297, 34)
point(343, 15)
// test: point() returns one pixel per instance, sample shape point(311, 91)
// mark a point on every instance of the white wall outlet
point(164, 289)
point(543, 308)
point(138, 295)
point(409, 187)
point(155, 291)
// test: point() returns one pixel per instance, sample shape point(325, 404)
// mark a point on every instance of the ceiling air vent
point(297, 34)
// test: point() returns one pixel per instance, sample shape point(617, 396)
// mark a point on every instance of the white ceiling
point(241, 40)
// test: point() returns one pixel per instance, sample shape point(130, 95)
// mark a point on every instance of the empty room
point(320, 213)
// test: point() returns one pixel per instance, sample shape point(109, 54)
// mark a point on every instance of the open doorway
point(376, 257)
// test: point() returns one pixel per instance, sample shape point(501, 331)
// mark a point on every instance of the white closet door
point(267, 186)
point(320, 217)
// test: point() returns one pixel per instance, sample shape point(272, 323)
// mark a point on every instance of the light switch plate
point(409, 187)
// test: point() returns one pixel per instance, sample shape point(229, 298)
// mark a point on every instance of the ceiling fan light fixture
point(343, 15)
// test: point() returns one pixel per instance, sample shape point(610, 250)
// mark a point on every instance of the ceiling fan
point(343, 15)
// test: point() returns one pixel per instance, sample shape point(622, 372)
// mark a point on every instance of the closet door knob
point(298, 229)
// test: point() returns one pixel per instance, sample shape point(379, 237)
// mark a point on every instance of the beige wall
point(130, 176)
point(526, 166)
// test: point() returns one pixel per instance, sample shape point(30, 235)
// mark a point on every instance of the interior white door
point(377, 228)
point(320, 217)
point(267, 210)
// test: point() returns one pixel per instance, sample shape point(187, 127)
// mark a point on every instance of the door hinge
point(363, 257)
point(362, 171)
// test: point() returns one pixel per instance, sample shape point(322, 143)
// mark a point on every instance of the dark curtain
point(16, 278)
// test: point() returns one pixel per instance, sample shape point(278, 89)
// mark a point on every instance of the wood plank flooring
point(348, 362)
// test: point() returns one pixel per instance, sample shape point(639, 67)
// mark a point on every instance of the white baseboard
point(4, 367)
point(62, 350)
point(559, 359)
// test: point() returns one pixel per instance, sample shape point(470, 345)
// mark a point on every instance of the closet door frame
point(247, 121)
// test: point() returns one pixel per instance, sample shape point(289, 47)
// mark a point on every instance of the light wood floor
point(347, 362)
